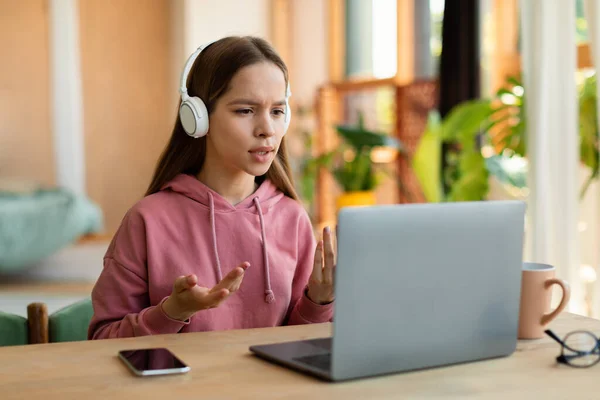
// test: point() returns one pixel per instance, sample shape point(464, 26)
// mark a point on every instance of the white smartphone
point(149, 362)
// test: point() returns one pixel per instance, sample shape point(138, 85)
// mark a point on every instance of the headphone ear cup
point(194, 117)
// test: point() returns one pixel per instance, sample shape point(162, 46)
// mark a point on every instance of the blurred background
point(395, 101)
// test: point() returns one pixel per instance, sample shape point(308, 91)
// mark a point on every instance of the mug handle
point(566, 296)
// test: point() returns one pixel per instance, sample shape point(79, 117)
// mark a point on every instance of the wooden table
point(223, 368)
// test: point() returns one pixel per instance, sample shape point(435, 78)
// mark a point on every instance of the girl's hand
point(320, 284)
point(188, 298)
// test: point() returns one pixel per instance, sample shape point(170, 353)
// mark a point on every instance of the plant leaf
point(358, 138)
point(466, 119)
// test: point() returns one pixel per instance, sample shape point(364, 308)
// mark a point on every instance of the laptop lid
point(425, 285)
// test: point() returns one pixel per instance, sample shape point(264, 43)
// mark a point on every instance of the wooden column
point(337, 40)
point(408, 188)
point(329, 109)
point(584, 56)
point(506, 57)
point(328, 114)
point(405, 72)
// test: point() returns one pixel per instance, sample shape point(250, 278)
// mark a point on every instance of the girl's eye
point(244, 111)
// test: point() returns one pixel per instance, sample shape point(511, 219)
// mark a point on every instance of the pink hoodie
point(189, 228)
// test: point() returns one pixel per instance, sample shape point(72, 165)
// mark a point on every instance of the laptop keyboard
point(324, 343)
point(320, 361)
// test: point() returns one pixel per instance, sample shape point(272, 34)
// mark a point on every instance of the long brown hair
point(209, 79)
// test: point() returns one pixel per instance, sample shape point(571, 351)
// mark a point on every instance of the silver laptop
point(417, 286)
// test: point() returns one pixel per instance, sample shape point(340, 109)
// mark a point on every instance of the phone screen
point(157, 361)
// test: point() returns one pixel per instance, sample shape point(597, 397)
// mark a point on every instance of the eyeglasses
point(580, 349)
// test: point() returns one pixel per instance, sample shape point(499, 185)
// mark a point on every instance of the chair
point(70, 324)
point(16, 330)
point(37, 321)
point(13, 329)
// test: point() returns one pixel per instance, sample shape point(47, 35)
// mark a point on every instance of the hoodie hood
point(258, 202)
point(267, 195)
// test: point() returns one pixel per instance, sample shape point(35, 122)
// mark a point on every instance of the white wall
point(67, 96)
point(205, 20)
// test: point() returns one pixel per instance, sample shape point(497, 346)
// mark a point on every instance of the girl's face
point(247, 123)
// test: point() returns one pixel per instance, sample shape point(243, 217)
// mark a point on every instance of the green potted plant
point(351, 163)
point(472, 121)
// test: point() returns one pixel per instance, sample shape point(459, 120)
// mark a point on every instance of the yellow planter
point(353, 199)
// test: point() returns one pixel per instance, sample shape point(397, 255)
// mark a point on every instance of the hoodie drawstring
point(214, 236)
point(269, 296)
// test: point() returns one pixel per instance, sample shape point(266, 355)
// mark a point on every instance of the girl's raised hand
point(320, 284)
point(187, 298)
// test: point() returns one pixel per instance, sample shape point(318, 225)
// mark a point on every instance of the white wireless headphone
point(193, 113)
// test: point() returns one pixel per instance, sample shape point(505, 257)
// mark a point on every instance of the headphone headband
point(188, 66)
point(193, 113)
